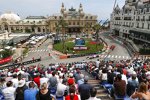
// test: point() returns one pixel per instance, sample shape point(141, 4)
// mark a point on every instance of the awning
point(140, 31)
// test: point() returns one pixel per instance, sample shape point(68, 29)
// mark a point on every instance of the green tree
point(3, 43)
point(97, 27)
point(6, 53)
point(25, 51)
point(62, 25)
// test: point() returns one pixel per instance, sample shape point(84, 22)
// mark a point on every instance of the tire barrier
point(20, 64)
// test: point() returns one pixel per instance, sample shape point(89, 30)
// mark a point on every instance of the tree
point(62, 25)
point(97, 28)
point(3, 43)
point(6, 53)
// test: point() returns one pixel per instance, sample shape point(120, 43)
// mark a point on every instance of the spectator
point(110, 76)
point(2, 83)
point(9, 91)
point(104, 76)
point(119, 86)
point(20, 90)
point(85, 87)
point(44, 93)
point(53, 81)
point(37, 79)
point(30, 94)
point(72, 95)
point(15, 80)
point(93, 93)
point(142, 93)
point(81, 81)
point(132, 85)
point(43, 79)
point(61, 88)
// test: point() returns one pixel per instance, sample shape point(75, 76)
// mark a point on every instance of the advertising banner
point(5, 60)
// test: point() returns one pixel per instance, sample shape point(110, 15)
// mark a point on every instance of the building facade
point(76, 21)
point(132, 21)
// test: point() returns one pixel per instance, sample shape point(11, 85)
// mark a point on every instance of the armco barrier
point(63, 57)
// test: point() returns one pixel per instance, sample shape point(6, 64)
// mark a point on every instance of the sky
point(24, 8)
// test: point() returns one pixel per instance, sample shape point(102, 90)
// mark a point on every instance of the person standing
point(20, 90)
point(93, 93)
point(30, 94)
point(9, 91)
point(44, 93)
point(119, 86)
point(84, 89)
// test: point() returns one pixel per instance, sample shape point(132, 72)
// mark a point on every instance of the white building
point(132, 21)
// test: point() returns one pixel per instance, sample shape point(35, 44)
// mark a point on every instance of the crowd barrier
point(20, 64)
point(79, 55)
point(63, 57)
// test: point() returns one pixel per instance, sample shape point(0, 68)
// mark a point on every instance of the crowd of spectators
point(67, 82)
point(125, 77)
point(53, 82)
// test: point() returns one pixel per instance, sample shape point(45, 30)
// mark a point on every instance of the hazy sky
point(25, 8)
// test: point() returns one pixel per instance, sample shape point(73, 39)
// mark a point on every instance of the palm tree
point(97, 28)
point(62, 23)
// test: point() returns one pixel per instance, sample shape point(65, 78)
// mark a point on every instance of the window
point(69, 23)
point(91, 17)
point(132, 24)
point(142, 25)
point(86, 17)
point(143, 18)
point(148, 26)
point(137, 25)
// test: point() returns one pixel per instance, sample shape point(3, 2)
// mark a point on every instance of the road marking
point(108, 56)
point(119, 57)
point(123, 57)
point(116, 56)
point(112, 56)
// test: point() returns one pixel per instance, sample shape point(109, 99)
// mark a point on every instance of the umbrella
point(33, 42)
point(1, 49)
point(13, 48)
point(8, 47)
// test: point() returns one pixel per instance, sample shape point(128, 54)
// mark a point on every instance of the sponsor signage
point(80, 48)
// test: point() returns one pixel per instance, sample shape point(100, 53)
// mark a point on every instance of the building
point(77, 21)
point(132, 21)
point(13, 23)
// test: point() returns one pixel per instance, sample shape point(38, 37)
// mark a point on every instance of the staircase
point(101, 92)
